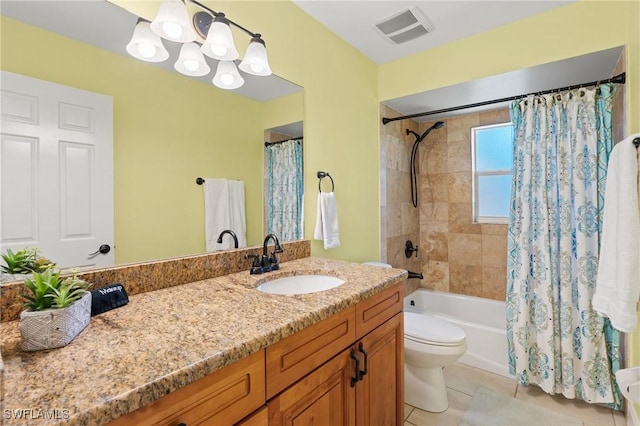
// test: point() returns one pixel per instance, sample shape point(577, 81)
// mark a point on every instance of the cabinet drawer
point(377, 309)
point(223, 397)
point(295, 356)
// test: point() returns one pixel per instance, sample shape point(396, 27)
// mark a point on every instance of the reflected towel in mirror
point(224, 209)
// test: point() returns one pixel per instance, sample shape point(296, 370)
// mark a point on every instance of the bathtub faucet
point(409, 249)
point(417, 275)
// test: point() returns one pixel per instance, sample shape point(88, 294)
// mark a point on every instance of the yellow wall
point(567, 31)
point(285, 110)
point(168, 130)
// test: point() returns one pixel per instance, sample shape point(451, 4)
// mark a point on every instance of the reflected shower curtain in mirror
point(556, 340)
point(284, 190)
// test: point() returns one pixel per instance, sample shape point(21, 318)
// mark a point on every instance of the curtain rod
point(618, 79)
point(282, 141)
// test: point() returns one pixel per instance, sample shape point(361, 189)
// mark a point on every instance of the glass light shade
point(227, 76)
point(146, 45)
point(219, 43)
point(255, 59)
point(172, 22)
point(191, 62)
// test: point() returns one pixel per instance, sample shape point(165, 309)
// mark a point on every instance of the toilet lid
point(427, 328)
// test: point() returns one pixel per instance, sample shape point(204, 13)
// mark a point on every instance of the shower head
point(436, 125)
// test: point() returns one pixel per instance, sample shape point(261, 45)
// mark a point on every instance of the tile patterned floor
point(462, 380)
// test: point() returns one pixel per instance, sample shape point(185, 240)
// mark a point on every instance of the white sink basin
point(300, 284)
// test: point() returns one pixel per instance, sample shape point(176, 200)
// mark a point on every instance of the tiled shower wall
point(400, 221)
point(454, 254)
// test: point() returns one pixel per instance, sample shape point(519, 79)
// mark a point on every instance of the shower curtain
point(284, 190)
point(556, 340)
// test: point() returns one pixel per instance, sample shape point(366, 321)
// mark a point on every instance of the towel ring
point(322, 175)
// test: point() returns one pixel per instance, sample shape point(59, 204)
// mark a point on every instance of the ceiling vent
point(404, 26)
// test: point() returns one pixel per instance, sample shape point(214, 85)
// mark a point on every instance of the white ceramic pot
point(8, 278)
point(54, 328)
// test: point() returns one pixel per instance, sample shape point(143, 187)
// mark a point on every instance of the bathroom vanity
point(217, 351)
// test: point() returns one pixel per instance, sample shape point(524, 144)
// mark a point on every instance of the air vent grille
point(398, 22)
point(404, 26)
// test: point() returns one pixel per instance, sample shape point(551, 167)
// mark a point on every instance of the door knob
point(104, 249)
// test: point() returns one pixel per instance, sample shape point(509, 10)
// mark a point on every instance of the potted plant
point(23, 262)
point(58, 309)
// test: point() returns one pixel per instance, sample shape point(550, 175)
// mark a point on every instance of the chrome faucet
point(271, 263)
point(230, 232)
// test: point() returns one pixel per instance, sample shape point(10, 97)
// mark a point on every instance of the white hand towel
point(237, 211)
point(317, 232)
point(327, 221)
point(618, 283)
point(217, 213)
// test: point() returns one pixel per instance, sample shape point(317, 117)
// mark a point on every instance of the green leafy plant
point(25, 261)
point(50, 291)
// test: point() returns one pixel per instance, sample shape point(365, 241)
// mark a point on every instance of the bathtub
point(483, 321)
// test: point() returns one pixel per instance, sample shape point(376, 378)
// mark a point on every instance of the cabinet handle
point(354, 380)
point(181, 424)
point(366, 361)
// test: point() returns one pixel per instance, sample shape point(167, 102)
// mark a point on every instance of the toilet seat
point(431, 330)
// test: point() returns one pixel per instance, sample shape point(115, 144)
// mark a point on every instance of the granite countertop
point(166, 339)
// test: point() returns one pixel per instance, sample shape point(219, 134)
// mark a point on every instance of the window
point(492, 163)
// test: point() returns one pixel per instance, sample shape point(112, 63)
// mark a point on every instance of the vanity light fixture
point(191, 62)
point(219, 43)
point(227, 76)
point(255, 58)
point(145, 44)
point(172, 23)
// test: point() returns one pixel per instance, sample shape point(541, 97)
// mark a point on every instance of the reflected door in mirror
point(56, 171)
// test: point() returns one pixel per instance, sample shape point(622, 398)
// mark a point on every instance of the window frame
point(476, 175)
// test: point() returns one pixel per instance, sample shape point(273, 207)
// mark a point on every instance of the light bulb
point(226, 79)
point(191, 64)
point(257, 68)
point(219, 50)
point(172, 30)
point(147, 50)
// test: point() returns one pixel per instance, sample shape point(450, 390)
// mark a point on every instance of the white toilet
point(430, 343)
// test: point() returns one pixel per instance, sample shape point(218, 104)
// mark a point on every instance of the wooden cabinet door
point(325, 397)
point(259, 418)
point(380, 393)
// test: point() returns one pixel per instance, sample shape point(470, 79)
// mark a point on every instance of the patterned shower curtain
point(556, 340)
point(284, 190)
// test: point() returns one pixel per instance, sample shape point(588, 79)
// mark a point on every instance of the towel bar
point(322, 175)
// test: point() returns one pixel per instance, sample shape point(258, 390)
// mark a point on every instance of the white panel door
point(56, 171)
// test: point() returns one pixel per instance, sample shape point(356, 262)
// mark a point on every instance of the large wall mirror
point(168, 129)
